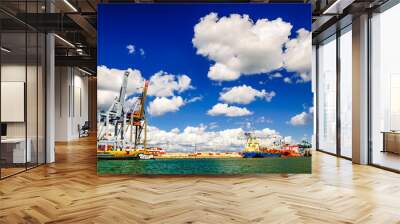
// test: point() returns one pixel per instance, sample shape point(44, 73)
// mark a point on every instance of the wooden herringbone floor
point(69, 191)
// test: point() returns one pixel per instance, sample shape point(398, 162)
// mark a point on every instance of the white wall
point(71, 102)
point(80, 110)
point(62, 81)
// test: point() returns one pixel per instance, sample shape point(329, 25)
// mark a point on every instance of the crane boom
point(122, 91)
point(125, 120)
point(143, 99)
point(118, 104)
point(115, 114)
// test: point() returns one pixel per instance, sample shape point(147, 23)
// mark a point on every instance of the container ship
point(254, 150)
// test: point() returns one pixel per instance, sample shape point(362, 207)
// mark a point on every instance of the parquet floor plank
point(70, 191)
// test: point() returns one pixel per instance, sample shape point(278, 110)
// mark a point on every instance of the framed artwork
point(204, 88)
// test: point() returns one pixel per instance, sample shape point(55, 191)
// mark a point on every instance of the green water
point(206, 166)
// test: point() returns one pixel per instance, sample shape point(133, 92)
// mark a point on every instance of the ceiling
point(75, 21)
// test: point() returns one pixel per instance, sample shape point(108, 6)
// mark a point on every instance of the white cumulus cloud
point(104, 99)
point(297, 56)
point(302, 118)
point(275, 75)
point(109, 81)
point(163, 84)
point(244, 95)
point(287, 80)
point(203, 138)
point(131, 48)
point(162, 105)
point(142, 51)
point(239, 45)
point(194, 99)
point(299, 119)
point(222, 109)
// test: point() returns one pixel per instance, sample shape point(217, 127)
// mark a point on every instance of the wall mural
point(204, 88)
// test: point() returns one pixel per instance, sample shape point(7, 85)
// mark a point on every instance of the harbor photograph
point(218, 89)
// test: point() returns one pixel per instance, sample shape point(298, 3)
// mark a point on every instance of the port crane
point(120, 119)
point(137, 119)
point(115, 114)
point(252, 140)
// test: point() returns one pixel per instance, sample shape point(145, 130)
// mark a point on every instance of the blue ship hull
point(259, 155)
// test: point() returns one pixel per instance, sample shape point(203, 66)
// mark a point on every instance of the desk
point(16, 147)
point(391, 141)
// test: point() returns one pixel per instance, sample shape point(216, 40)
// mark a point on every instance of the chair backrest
point(86, 125)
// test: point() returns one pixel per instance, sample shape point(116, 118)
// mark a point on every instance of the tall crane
point(121, 119)
point(138, 119)
point(115, 114)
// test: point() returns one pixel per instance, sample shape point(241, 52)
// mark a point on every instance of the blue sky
point(165, 31)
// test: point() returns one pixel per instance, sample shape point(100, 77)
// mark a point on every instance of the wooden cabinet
point(391, 142)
